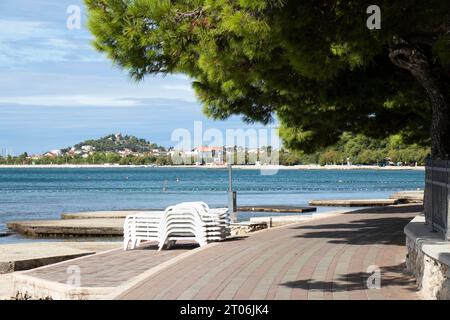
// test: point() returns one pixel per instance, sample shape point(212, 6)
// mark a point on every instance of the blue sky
point(56, 90)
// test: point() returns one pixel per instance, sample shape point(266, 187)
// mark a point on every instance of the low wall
point(31, 288)
point(241, 229)
point(428, 259)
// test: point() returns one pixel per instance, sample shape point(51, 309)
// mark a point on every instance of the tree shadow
point(380, 230)
point(396, 209)
point(391, 276)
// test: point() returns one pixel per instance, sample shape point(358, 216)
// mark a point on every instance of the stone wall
point(241, 229)
point(432, 275)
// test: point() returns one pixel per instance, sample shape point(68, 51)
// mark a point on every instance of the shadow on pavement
point(384, 227)
point(391, 276)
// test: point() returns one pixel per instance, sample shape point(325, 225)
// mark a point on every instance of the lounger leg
point(133, 244)
point(161, 245)
point(171, 243)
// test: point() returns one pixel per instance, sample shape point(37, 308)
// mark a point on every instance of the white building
point(87, 148)
point(210, 155)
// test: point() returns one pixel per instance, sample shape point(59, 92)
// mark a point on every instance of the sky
point(56, 90)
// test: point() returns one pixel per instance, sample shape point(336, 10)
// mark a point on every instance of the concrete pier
point(122, 214)
point(107, 223)
point(354, 203)
point(408, 196)
point(276, 208)
point(69, 227)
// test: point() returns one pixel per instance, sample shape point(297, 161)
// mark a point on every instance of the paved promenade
point(112, 268)
point(320, 259)
point(324, 258)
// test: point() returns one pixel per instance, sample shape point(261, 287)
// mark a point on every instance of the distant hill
point(117, 142)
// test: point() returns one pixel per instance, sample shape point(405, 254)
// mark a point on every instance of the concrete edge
point(286, 220)
point(42, 288)
point(27, 264)
point(76, 259)
point(150, 272)
point(112, 214)
point(57, 228)
point(314, 217)
point(431, 243)
point(39, 288)
point(354, 202)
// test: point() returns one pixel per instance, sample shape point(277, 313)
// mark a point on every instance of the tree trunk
point(439, 131)
point(410, 58)
point(407, 57)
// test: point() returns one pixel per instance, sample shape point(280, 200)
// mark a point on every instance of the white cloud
point(83, 100)
point(60, 43)
point(180, 87)
point(25, 42)
point(69, 101)
point(13, 30)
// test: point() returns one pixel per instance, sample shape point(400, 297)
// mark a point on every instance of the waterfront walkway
point(320, 259)
point(324, 258)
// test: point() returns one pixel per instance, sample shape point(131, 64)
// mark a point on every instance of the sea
point(46, 193)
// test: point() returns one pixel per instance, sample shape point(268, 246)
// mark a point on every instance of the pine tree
point(313, 64)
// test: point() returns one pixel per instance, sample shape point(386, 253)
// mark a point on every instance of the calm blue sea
point(46, 193)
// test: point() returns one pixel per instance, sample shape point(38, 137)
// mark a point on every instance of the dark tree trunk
point(407, 57)
point(439, 130)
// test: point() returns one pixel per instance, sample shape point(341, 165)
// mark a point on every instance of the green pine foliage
point(312, 64)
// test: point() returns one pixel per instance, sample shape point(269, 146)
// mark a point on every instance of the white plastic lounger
point(141, 227)
point(193, 221)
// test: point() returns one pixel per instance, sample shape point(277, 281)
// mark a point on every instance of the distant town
point(118, 149)
point(129, 150)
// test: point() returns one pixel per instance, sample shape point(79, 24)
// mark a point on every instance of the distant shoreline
point(243, 167)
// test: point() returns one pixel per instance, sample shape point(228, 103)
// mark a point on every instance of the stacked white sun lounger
point(185, 221)
point(141, 227)
point(193, 221)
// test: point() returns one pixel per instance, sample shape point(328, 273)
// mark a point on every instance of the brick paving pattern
point(319, 259)
point(110, 269)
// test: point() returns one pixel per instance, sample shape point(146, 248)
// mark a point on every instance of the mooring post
point(231, 194)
